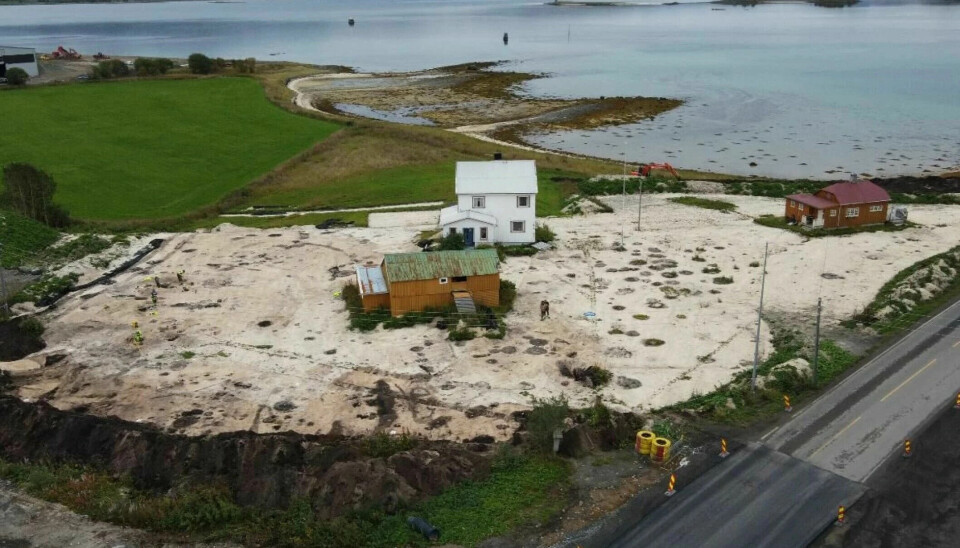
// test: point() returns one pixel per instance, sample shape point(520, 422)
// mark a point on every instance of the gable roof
point(497, 177)
point(857, 192)
point(453, 214)
point(407, 267)
point(812, 201)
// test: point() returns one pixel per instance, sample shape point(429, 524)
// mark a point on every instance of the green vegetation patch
point(776, 221)
point(22, 238)
point(521, 490)
point(704, 203)
point(151, 148)
point(898, 315)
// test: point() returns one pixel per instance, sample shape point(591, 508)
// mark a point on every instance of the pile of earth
point(266, 470)
point(18, 338)
point(912, 502)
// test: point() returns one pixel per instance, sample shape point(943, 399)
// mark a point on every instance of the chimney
point(498, 156)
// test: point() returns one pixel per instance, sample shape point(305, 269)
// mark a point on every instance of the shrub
point(546, 416)
point(652, 342)
point(598, 414)
point(718, 205)
point(465, 334)
point(711, 269)
point(641, 317)
point(113, 68)
point(542, 233)
point(148, 66)
point(17, 76)
point(200, 63)
point(508, 294)
point(382, 444)
point(519, 250)
point(723, 280)
point(30, 191)
point(32, 327)
point(452, 242)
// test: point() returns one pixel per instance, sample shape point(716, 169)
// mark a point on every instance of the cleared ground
point(154, 148)
point(211, 362)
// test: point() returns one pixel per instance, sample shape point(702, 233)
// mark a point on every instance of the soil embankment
point(265, 470)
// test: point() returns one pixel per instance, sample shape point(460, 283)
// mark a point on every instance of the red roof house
point(846, 204)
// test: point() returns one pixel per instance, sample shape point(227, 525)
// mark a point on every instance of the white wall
point(504, 208)
point(30, 68)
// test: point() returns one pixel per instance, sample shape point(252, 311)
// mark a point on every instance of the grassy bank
point(22, 238)
point(912, 294)
point(736, 402)
point(521, 490)
point(150, 149)
point(718, 205)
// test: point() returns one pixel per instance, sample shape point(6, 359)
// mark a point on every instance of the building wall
point(476, 226)
point(417, 295)
point(373, 302)
point(24, 58)
point(504, 208)
point(865, 216)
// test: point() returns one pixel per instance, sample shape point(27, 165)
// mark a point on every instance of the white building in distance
point(496, 203)
point(24, 58)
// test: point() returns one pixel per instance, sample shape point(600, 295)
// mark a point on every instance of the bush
point(598, 415)
point(519, 250)
point(30, 191)
point(113, 68)
point(542, 233)
point(32, 327)
point(723, 280)
point(465, 334)
point(384, 445)
point(452, 242)
point(508, 294)
point(17, 76)
point(546, 416)
point(148, 66)
point(200, 63)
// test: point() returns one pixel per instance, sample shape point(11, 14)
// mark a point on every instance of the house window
point(523, 201)
point(793, 204)
point(453, 230)
point(833, 212)
point(459, 278)
point(876, 208)
point(518, 226)
point(443, 281)
point(479, 202)
point(853, 212)
point(483, 233)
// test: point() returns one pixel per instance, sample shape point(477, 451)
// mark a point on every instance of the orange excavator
point(645, 169)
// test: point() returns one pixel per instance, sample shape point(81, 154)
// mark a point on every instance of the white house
point(25, 58)
point(496, 203)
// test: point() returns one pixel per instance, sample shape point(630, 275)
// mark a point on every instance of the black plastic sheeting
point(428, 531)
point(137, 257)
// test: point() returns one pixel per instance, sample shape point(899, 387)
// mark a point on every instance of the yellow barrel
point(660, 450)
point(644, 437)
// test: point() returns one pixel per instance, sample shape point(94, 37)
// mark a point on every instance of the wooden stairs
point(464, 302)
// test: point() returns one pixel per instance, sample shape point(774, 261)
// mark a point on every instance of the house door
point(468, 236)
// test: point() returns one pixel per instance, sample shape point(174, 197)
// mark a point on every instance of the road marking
point(956, 344)
point(890, 393)
point(835, 436)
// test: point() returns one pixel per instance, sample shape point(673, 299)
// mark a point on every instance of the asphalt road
point(854, 427)
point(759, 497)
point(785, 492)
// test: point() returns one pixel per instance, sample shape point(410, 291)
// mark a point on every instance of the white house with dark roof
point(496, 203)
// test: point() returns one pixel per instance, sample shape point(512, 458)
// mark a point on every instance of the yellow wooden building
point(411, 282)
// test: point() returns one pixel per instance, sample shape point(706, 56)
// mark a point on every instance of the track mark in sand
point(686, 373)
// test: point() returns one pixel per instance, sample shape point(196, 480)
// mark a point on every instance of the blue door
point(468, 236)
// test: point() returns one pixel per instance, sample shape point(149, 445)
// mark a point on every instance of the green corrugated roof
point(406, 267)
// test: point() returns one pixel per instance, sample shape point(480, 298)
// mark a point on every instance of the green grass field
point(151, 149)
